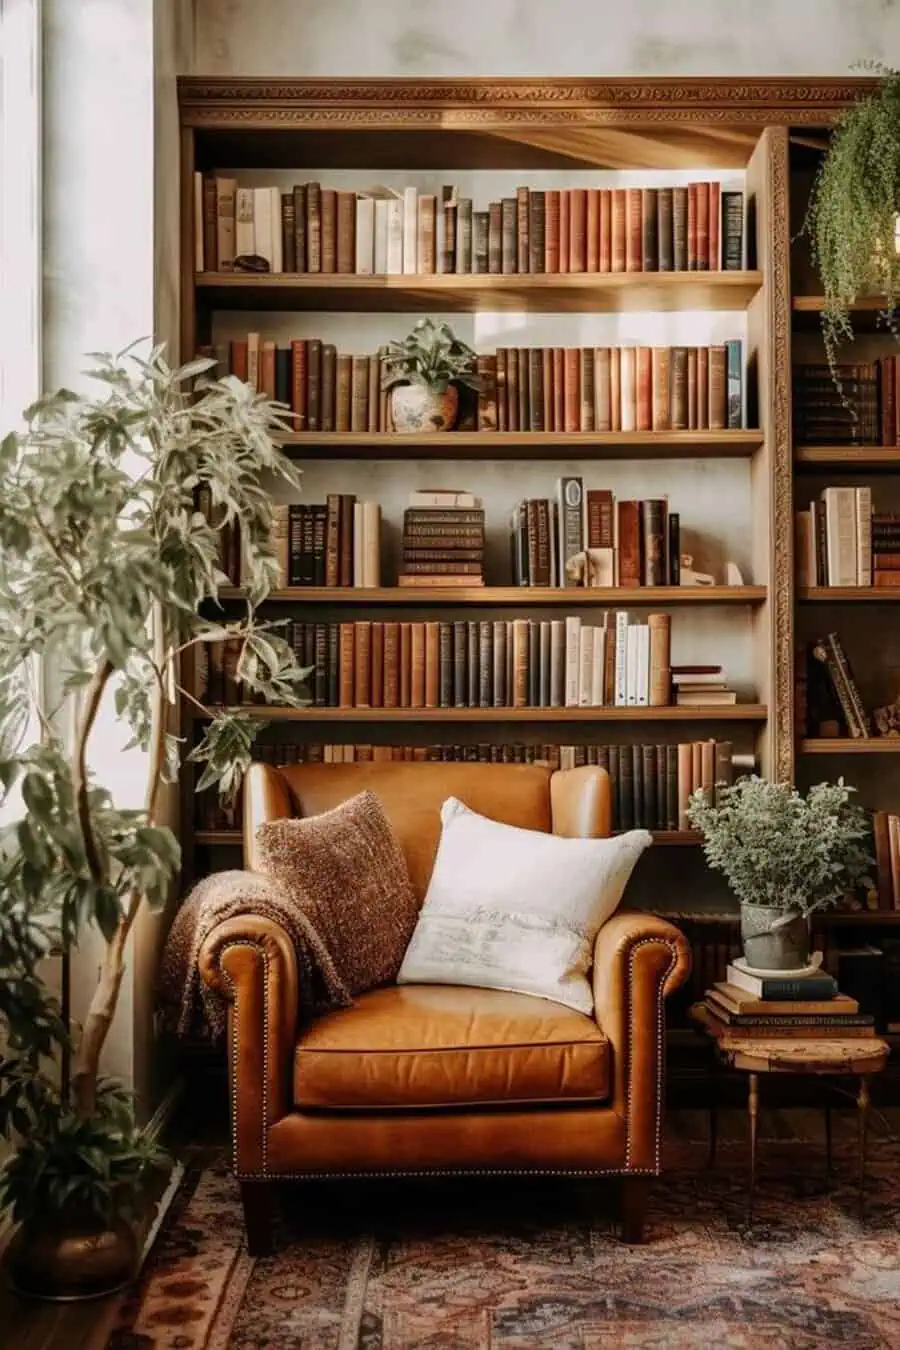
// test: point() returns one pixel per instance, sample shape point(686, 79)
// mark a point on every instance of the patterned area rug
point(530, 1266)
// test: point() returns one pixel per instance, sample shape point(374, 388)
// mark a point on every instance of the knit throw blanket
point(195, 1011)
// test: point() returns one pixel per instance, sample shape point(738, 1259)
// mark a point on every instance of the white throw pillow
point(517, 909)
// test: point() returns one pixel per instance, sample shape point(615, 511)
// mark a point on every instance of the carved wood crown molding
point(441, 103)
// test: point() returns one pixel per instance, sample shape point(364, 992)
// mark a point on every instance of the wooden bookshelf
point(522, 445)
point(849, 458)
point(868, 595)
point(850, 745)
point(572, 597)
point(738, 712)
point(234, 838)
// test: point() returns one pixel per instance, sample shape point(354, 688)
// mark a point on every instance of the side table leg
point(828, 1141)
point(753, 1108)
point(713, 1110)
point(862, 1104)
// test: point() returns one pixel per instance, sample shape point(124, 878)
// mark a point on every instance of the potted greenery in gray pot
point(851, 221)
point(109, 579)
point(423, 372)
point(785, 856)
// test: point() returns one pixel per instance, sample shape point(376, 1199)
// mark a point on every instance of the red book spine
point(551, 230)
point(559, 390)
point(692, 227)
point(593, 230)
point(565, 212)
point(604, 261)
point(618, 230)
point(715, 226)
point(298, 383)
point(702, 227)
point(634, 231)
point(644, 420)
point(577, 229)
point(572, 388)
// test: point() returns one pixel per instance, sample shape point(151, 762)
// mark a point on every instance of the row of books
point(587, 538)
point(828, 701)
point(381, 232)
point(861, 408)
point(563, 389)
point(650, 784)
point(442, 543)
point(842, 542)
point(488, 663)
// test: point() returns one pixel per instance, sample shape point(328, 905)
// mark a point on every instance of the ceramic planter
point(418, 408)
point(774, 939)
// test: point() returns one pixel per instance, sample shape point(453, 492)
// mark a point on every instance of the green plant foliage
point(109, 577)
point(851, 217)
point(779, 848)
point(431, 355)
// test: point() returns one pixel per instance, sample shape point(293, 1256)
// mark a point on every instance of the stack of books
point(829, 702)
point(837, 536)
point(799, 1007)
point(443, 540)
point(701, 687)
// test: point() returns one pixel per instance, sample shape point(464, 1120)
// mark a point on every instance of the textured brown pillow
point(348, 871)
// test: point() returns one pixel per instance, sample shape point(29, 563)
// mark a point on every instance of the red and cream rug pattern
point(535, 1264)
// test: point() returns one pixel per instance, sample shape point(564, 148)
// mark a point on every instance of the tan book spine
point(692, 227)
point(615, 388)
point(520, 629)
point(660, 659)
point(587, 389)
point(565, 224)
point(708, 768)
point(377, 664)
point(522, 235)
point(894, 854)
point(495, 238)
point(523, 388)
point(346, 232)
point(417, 666)
point(359, 393)
point(702, 227)
point(577, 229)
point(604, 232)
point(374, 394)
point(267, 368)
point(643, 361)
point(715, 223)
point(313, 227)
point(551, 230)
point(371, 549)
point(404, 663)
point(702, 388)
point(592, 227)
point(692, 388)
point(329, 230)
point(718, 382)
point(602, 390)
point(571, 388)
point(618, 254)
point(696, 764)
point(329, 377)
point(508, 234)
point(426, 235)
point(502, 410)
point(559, 388)
point(432, 663)
point(343, 386)
point(486, 367)
point(253, 349)
point(660, 378)
point(346, 651)
point(391, 698)
point(226, 197)
point(634, 231)
point(678, 367)
point(685, 783)
point(547, 381)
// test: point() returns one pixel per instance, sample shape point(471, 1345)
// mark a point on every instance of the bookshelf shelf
point(738, 712)
point(867, 311)
point(575, 293)
point(848, 745)
point(862, 458)
point(234, 838)
point(849, 594)
point(519, 445)
point(572, 597)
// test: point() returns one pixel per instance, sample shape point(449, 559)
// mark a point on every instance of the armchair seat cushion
point(432, 1046)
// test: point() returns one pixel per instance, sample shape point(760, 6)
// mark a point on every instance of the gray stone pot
point(417, 408)
point(774, 939)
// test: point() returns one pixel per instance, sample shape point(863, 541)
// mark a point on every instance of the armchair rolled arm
point(638, 961)
point(251, 962)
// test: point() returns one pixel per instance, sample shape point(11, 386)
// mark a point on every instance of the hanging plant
point(851, 220)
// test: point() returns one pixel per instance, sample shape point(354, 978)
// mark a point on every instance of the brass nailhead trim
point(660, 1040)
point(258, 949)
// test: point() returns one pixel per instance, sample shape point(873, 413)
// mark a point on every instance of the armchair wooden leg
point(635, 1194)
point(258, 1198)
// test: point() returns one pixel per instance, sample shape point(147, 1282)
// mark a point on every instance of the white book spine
point(394, 237)
point(863, 536)
point(621, 658)
point(642, 638)
point(573, 652)
point(631, 660)
point(381, 236)
point(585, 665)
point(599, 668)
point(365, 236)
point(244, 229)
point(359, 544)
point(275, 226)
point(199, 261)
point(812, 561)
point(372, 544)
point(410, 230)
point(840, 531)
point(262, 225)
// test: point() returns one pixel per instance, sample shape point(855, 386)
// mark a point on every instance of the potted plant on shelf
point(423, 372)
point(851, 220)
point(107, 576)
point(785, 856)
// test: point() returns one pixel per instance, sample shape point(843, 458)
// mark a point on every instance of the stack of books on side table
point(793, 1006)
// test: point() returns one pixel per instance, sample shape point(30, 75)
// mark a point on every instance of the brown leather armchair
point(428, 1080)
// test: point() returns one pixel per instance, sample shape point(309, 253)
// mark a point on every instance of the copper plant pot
point(417, 407)
point(67, 1259)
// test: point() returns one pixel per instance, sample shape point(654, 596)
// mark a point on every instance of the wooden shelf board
point(739, 712)
point(518, 445)
point(837, 594)
point(867, 918)
point(848, 745)
point(849, 457)
point(581, 292)
point(866, 313)
point(574, 597)
point(234, 838)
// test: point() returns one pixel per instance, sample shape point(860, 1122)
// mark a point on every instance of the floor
point(85, 1326)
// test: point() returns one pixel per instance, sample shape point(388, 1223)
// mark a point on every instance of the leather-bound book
point(558, 364)
point(253, 343)
point(586, 416)
point(485, 663)
point(426, 235)
point(346, 681)
point(629, 536)
point(533, 660)
point(288, 233)
point(359, 393)
point(604, 232)
point(448, 239)
point(345, 534)
point(320, 674)
point(557, 663)
point(571, 388)
point(671, 794)
point(329, 229)
point(696, 764)
point(692, 227)
point(373, 398)
point(210, 224)
point(634, 238)
point(333, 539)
point(628, 388)
point(678, 368)
point(660, 382)
point(592, 231)
point(715, 217)
point(625, 787)
point(327, 405)
point(445, 664)
point(542, 543)
point(577, 229)
point(226, 195)
point(602, 409)
point(522, 229)
point(702, 244)
point(295, 544)
point(536, 231)
point(458, 662)
point(512, 390)
point(732, 248)
point(536, 389)
point(692, 388)
point(702, 387)
point(523, 388)
point(615, 388)
point(638, 795)
point(267, 368)
point(313, 383)
point(417, 665)
point(673, 549)
point(680, 229)
point(717, 387)
point(544, 644)
point(508, 235)
point(547, 377)
point(529, 571)
point(332, 665)
point(551, 230)
point(708, 769)
point(464, 235)
point(498, 687)
point(565, 219)
point(405, 665)
point(600, 518)
point(481, 222)
point(644, 378)
point(486, 367)
point(473, 667)
point(618, 253)
point(659, 761)
point(664, 229)
point(520, 687)
point(391, 691)
point(685, 783)
point(300, 227)
point(346, 233)
point(377, 664)
point(283, 375)
point(650, 229)
point(495, 238)
point(653, 534)
point(432, 663)
point(502, 413)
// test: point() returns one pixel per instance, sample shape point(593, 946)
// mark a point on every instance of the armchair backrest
point(570, 802)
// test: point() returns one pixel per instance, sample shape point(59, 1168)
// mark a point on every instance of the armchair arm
point(638, 961)
point(251, 962)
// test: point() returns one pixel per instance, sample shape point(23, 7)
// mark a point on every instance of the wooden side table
point(858, 1057)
